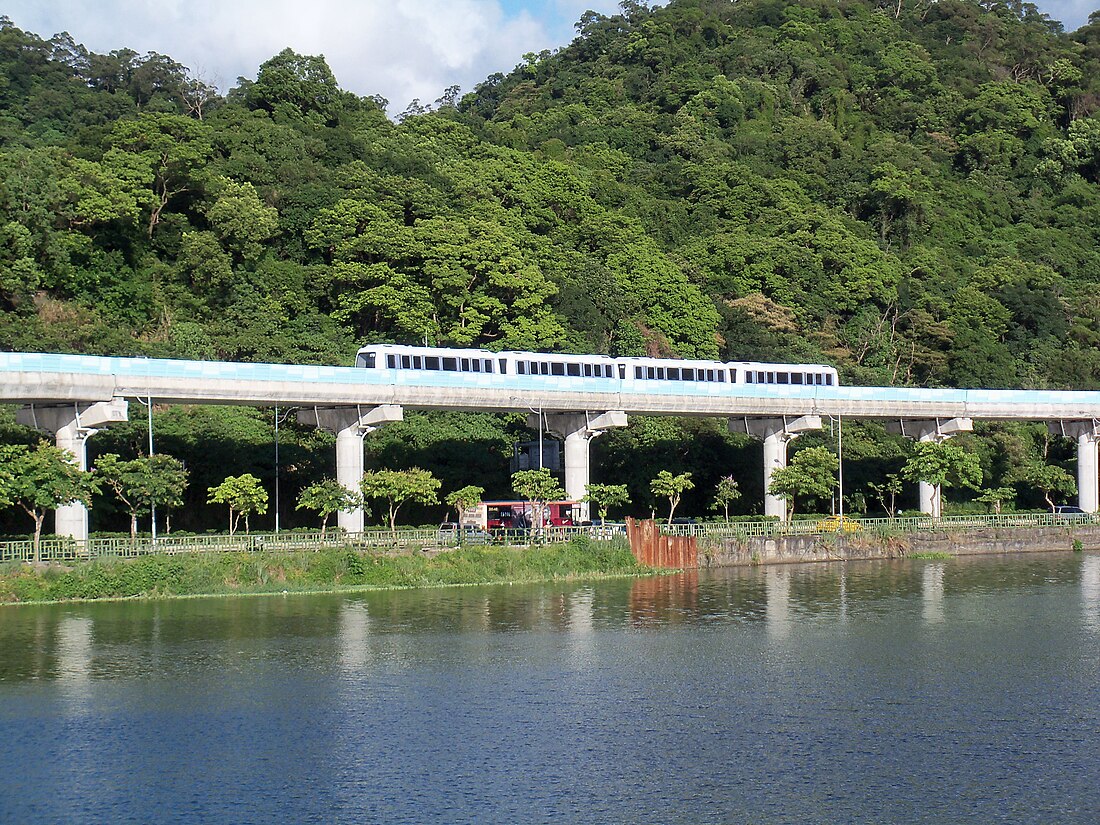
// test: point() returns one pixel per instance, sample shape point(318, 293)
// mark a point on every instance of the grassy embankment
point(190, 574)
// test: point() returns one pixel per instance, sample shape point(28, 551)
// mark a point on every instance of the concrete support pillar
point(934, 430)
point(577, 431)
point(72, 425)
point(1087, 434)
point(350, 425)
point(776, 434)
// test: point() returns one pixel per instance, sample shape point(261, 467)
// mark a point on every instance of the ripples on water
point(963, 691)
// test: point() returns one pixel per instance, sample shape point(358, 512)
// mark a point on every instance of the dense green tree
point(398, 487)
point(811, 473)
point(942, 464)
point(672, 487)
point(243, 494)
point(606, 496)
point(538, 487)
point(40, 479)
point(328, 496)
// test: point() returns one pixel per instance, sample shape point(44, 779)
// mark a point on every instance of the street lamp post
point(152, 504)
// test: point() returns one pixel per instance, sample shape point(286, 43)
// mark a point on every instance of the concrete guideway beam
point(935, 430)
point(72, 425)
point(350, 425)
point(1087, 433)
point(577, 431)
point(776, 433)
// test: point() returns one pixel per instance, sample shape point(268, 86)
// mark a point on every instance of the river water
point(885, 692)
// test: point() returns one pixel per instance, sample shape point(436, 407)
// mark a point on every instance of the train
point(595, 371)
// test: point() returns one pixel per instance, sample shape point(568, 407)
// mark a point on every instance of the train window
point(622, 372)
point(369, 360)
point(418, 362)
point(710, 375)
point(544, 368)
point(406, 362)
point(488, 364)
point(391, 361)
point(431, 362)
point(637, 371)
point(475, 365)
point(503, 365)
point(608, 373)
point(450, 364)
point(782, 378)
point(521, 368)
point(819, 378)
point(796, 378)
point(587, 370)
point(572, 369)
point(557, 368)
point(687, 374)
point(749, 376)
point(722, 376)
point(771, 378)
point(673, 373)
point(828, 379)
point(465, 364)
point(660, 373)
point(650, 373)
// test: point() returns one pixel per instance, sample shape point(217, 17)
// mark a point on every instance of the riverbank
point(258, 572)
point(866, 545)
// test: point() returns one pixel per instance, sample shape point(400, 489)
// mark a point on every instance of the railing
point(61, 549)
point(879, 526)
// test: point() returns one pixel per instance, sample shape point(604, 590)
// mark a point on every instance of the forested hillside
point(908, 191)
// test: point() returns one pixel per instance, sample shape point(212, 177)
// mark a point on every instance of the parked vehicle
point(1069, 511)
point(451, 532)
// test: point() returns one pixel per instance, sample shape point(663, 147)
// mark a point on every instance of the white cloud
point(400, 49)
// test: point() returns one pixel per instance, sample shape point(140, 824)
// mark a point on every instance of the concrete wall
point(797, 549)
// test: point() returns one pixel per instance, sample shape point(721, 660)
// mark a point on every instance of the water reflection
point(353, 637)
point(778, 609)
point(1090, 591)
point(932, 593)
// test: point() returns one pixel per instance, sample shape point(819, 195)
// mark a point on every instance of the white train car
point(667, 370)
point(667, 374)
point(442, 359)
point(752, 372)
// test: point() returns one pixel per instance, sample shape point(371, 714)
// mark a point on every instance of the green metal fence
point(880, 526)
point(59, 549)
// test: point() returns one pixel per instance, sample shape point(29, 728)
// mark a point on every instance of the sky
point(399, 49)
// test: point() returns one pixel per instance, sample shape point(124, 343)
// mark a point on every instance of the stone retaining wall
point(794, 549)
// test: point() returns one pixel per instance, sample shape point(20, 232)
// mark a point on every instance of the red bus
point(511, 515)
